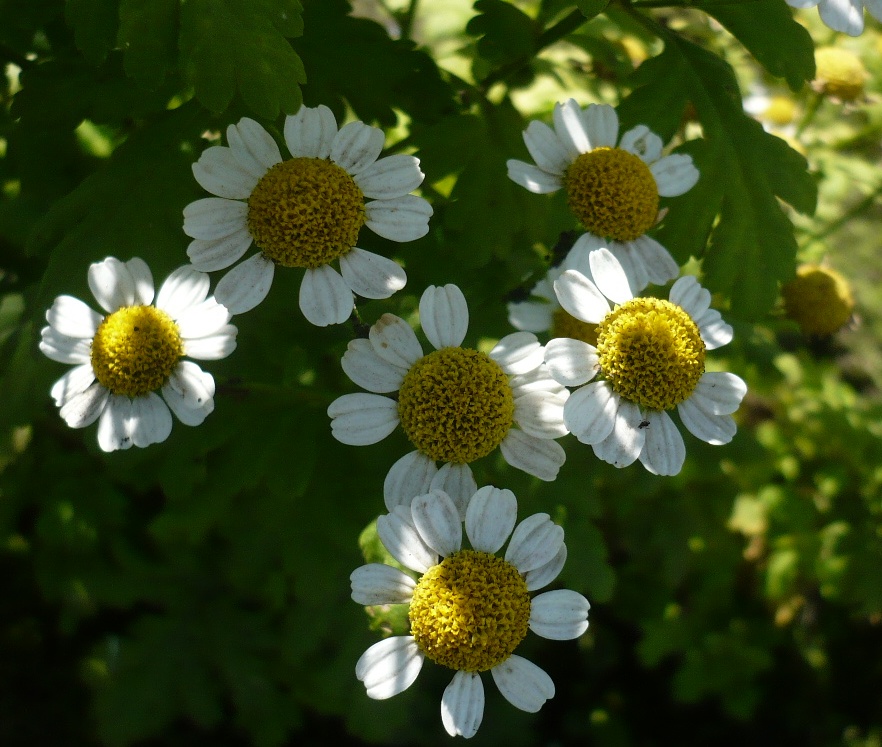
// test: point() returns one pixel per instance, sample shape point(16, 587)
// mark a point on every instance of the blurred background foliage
point(196, 592)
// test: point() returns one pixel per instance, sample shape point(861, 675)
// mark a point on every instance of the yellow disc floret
point(566, 325)
point(135, 350)
point(651, 352)
point(840, 73)
point(305, 212)
point(818, 299)
point(781, 110)
point(456, 405)
point(613, 193)
point(470, 612)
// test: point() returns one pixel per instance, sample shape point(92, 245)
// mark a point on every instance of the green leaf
point(591, 8)
point(230, 46)
point(506, 32)
point(744, 170)
point(780, 44)
point(147, 34)
point(94, 24)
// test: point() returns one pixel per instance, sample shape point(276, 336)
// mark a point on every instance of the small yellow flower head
point(781, 110)
point(840, 74)
point(818, 299)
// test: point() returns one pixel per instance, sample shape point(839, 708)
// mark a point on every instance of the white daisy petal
point(714, 331)
point(389, 667)
point(64, 349)
point(624, 444)
point(633, 267)
point(377, 583)
point(214, 218)
point(571, 362)
point(356, 147)
point(364, 367)
point(458, 482)
point(580, 297)
point(537, 380)
point(690, 296)
point(84, 408)
point(602, 125)
point(143, 280)
point(151, 420)
point(179, 405)
point(846, 16)
point(490, 518)
point(436, 518)
point(409, 477)
point(531, 316)
point(203, 319)
point(213, 347)
point(194, 386)
point(325, 296)
point(253, 146)
point(70, 317)
point(310, 133)
point(393, 176)
point(559, 615)
point(395, 341)
point(219, 172)
point(535, 541)
point(590, 412)
point(74, 382)
point(399, 219)
point(609, 276)
point(643, 143)
point(370, 275)
point(546, 149)
point(184, 289)
point(518, 353)
point(403, 541)
point(539, 457)
point(570, 128)
point(657, 261)
point(246, 285)
point(674, 175)
point(444, 315)
point(522, 683)
point(112, 284)
point(713, 429)
point(218, 254)
point(532, 178)
point(541, 414)
point(361, 419)
point(114, 425)
point(663, 450)
point(545, 574)
point(719, 392)
point(462, 705)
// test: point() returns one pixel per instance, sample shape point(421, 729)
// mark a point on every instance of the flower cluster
point(617, 362)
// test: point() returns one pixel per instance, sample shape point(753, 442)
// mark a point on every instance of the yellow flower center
point(818, 299)
point(566, 325)
point(612, 193)
point(456, 405)
point(781, 110)
point(135, 350)
point(651, 352)
point(305, 212)
point(470, 612)
point(840, 73)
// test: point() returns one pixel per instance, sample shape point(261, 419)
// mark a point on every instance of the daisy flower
point(818, 299)
point(613, 190)
point(455, 405)
point(306, 212)
point(843, 15)
point(649, 358)
point(121, 360)
point(471, 609)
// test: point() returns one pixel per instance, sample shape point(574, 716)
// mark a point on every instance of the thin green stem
point(555, 33)
point(408, 18)
point(814, 105)
point(834, 225)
